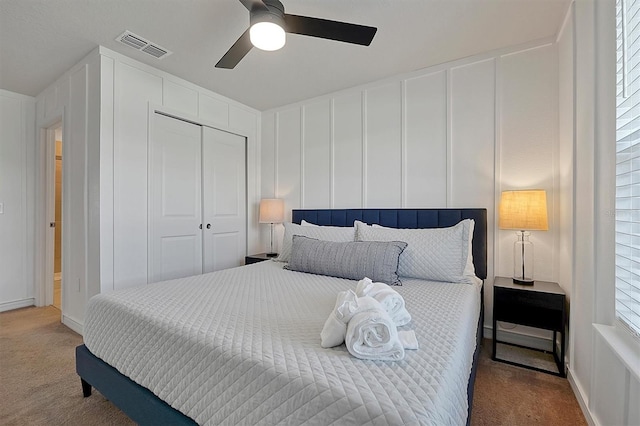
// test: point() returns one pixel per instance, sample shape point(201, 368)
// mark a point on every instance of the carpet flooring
point(39, 385)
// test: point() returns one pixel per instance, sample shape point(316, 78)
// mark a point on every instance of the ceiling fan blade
point(332, 30)
point(254, 5)
point(240, 48)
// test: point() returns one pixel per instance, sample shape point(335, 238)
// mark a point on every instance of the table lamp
point(523, 210)
point(271, 211)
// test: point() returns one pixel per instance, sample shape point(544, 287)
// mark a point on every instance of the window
point(628, 164)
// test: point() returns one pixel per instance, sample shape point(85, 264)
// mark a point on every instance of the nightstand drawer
point(524, 299)
point(549, 319)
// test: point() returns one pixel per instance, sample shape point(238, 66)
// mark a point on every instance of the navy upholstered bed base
point(137, 402)
point(145, 408)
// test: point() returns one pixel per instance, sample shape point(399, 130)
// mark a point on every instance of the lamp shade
point(524, 210)
point(271, 210)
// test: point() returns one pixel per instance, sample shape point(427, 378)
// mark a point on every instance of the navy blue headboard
point(408, 218)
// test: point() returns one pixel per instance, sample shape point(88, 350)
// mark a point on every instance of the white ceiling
point(41, 39)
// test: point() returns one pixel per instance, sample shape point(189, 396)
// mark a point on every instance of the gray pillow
point(354, 260)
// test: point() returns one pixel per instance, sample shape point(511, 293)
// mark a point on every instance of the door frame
point(44, 203)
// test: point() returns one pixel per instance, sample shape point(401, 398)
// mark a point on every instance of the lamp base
point(526, 281)
point(272, 255)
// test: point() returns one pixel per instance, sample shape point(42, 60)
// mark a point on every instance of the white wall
point(604, 367)
point(17, 114)
point(454, 135)
point(105, 102)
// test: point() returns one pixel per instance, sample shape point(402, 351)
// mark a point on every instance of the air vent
point(156, 51)
point(139, 43)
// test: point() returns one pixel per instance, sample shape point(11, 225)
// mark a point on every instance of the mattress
point(242, 346)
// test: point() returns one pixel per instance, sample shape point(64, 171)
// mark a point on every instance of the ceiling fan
point(269, 23)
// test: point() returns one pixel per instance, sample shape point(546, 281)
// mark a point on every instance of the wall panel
point(106, 163)
point(12, 162)
point(633, 415)
point(16, 290)
point(93, 194)
point(179, 97)
point(316, 176)
point(383, 146)
point(425, 154)
point(213, 110)
point(135, 89)
point(288, 160)
point(528, 111)
point(268, 159)
point(347, 151)
point(51, 101)
point(74, 149)
point(610, 385)
point(472, 135)
point(472, 139)
point(243, 120)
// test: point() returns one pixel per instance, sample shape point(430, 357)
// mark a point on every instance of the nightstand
point(255, 258)
point(542, 305)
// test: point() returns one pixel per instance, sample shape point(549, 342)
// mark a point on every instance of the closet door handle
point(208, 226)
point(200, 226)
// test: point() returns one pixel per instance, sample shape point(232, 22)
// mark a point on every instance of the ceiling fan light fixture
point(267, 35)
point(268, 25)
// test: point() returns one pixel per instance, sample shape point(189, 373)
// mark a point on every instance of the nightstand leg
point(562, 343)
point(495, 337)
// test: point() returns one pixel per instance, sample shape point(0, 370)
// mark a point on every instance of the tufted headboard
point(408, 218)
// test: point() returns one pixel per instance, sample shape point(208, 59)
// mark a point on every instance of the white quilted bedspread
point(242, 346)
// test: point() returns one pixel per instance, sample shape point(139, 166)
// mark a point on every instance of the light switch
point(1, 208)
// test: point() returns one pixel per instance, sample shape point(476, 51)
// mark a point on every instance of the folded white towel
point(408, 339)
point(372, 334)
point(335, 327)
point(390, 299)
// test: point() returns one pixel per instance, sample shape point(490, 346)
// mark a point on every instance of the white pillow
point(327, 233)
point(438, 254)
point(305, 223)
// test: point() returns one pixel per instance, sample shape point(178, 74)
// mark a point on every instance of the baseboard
point(582, 400)
point(72, 324)
point(17, 304)
point(519, 338)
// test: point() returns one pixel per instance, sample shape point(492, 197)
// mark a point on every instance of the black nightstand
point(255, 258)
point(542, 305)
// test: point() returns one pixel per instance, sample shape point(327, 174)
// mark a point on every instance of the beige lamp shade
point(524, 210)
point(271, 210)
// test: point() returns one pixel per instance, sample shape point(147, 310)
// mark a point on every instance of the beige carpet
point(39, 385)
point(38, 380)
point(509, 395)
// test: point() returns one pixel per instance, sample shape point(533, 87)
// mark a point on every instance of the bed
point(241, 346)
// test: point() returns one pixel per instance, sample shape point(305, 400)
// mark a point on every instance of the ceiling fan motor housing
point(274, 14)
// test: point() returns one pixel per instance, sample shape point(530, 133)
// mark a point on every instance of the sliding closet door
point(224, 199)
point(175, 209)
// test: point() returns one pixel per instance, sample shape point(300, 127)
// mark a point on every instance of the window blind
point(627, 226)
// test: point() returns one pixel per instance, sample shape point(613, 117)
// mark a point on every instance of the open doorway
point(54, 177)
point(57, 246)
